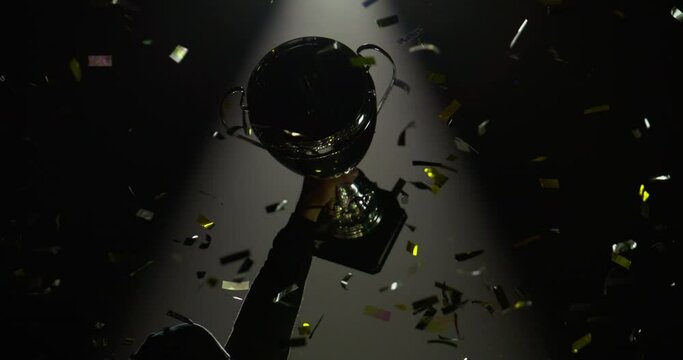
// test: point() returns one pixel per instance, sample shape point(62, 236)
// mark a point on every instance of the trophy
point(311, 103)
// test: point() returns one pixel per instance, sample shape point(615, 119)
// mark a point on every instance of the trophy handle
point(393, 74)
point(246, 126)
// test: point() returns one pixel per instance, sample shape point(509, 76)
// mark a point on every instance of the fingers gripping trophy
point(311, 103)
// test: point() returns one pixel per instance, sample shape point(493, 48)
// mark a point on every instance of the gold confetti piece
point(450, 110)
point(549, 183)
point(345, 281)
point(178, 53)
point(377, 313)
point(539, 159)
point(596, 109)
point(144, 214)
point(522, 304)
point(481, 129)
point(438, 179)
point(205, 222)
point(99, 61)
point(304, 329)
point(677, 14)
point(436, 78)
point(620, 260)
point(412, 248)
point(361, 61)
point(402, 307)
point(75, 68)
point(135, 272)
point(424, 47)
point(644, 195)
point(235, 286)
point(621, 247)
point(581, 343)
point(386, 21)
point(519, 32)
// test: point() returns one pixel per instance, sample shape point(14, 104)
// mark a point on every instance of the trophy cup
point(311, 103)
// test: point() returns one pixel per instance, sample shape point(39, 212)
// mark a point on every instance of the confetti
point(500, 295)
point(522, 304)
point(402, 84)
point(438, 324)
point(201, 274)
point(476, 272)
point(238, 298)
point(205, 222)
point(367, 3)
point(644, 195)
point(624, 246)
point(436, 78)
point(135, 272)
point(411, 36)
point(677, 14)
point(218, 135)
point(402, 136)
point(377, 313)
point(438, 179)
point(468, 255)
point(99, 61)
point(304, 329)
point(519, 32)
point(144, 214)
point(450, 110)
point(549, 183)
point(281, 295)
point(205, 245)
point(481, 129)
point(212, 281)
point(179, 317)
point(425, 303)
point(235, 286)
point(647, 123)
point(411, 227)
point(581, 343)
point(539, 159)
point(147, 42)
point(393, 286)
point(485, 305)
point(463, 146)
point(234, 257)
point(412, 248)
point(424, 47)
point(387, 21)
point(596, 109)
point(278, 206)
point(362, 61)
point(128, 341)
point(189, 241)
point(660, 178)
point(75, 68)
point(246, 265)
point(345, 281)
point(178, 53)
point(420, 185)
point(316, 326)
point(426, 319)
point(622, 261)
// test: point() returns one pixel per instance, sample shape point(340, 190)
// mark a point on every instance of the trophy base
point(369, 252)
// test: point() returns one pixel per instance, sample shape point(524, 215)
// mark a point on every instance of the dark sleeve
point(263, 328)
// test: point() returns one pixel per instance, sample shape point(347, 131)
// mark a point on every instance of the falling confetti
point(539, 159)
point(677, 14)
point(468, 255)
point(549, 183)
point(75, 68)
point(438, 179)
point(367, 3)
point(345, 281)
point(463, 146)
point(500, 295)
point(377, 313)
point(450, 110)
point(218, 135)
point(644, 195)
point(99, 61)
point(426, 319)
point(411, 36)
point(402, 84)
point(402, 136)
point(485, 305)
point(387, 21)
point(178, 53)
point(205, 222)
point(412, 248)
point(128, 341)
point(522, 304)
point(304, 329)
point(445, 342)
point(660, 178)
point(144, 214)
point(481, 129)
point(282, 294)
point(424, 47)
point(519, 32)
point(581, 343)
point(425, 303)
point(624, 246)
point(136, 271)
point(246, 265)
point(179, 317)
point(596, 109)
point(235, 257)
point(393, 286)
point(278, 206)
point(316, 326)
point(410, 227)
point(147, 42)
point(476, 272)
point(362, 61)
point(622, 261)
point(439, 324)
point(235, 286)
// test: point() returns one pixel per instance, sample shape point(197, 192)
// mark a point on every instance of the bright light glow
point(661, 178)
point(394, 285)
point(647, 124)
point(415, 250)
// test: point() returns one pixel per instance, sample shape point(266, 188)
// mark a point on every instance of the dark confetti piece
point(387, 21)
point(297, 342)
point(426, 319)
point(235, 257)
point(445, 342)
point(500, 295)
point(425, 303)
point(201, 274)
point(468, 255)
point(246, 265)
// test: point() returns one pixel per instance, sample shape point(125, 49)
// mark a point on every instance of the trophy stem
point(356, 211)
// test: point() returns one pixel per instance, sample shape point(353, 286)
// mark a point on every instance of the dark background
point(70, 149)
